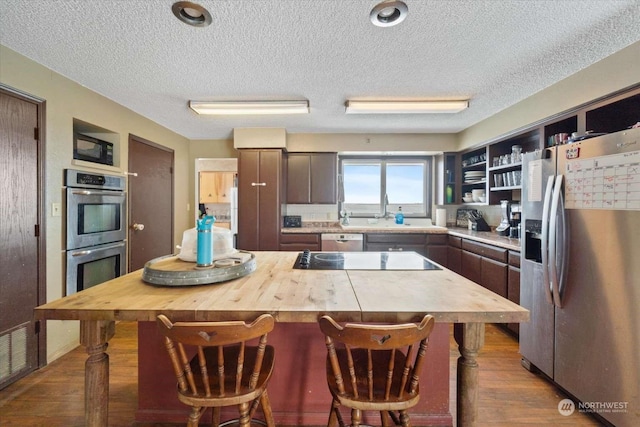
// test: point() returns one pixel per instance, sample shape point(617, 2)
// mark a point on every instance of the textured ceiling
point(494, 52)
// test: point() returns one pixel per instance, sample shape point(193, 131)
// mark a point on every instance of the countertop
point(292, 295)
point(488, 237)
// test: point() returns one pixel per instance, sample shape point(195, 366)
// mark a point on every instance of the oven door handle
point(98, 193)
point(89, 251)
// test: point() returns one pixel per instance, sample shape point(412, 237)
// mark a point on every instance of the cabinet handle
point(395, 249)
point(256, 184)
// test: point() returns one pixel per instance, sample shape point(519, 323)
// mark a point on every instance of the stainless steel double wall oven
point(95, 228)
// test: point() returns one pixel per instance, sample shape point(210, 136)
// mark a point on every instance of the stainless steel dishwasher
point(342, 242)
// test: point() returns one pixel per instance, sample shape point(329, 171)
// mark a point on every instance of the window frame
point(384, 160)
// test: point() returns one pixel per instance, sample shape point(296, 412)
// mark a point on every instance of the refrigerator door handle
point(553, 240)
point(545, 240)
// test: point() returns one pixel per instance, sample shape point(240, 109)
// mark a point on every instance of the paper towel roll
point(441, 217)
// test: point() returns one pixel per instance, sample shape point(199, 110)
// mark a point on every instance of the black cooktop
point(363, 261)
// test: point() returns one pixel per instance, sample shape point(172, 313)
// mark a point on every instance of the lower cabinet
point(437, 248)
point(493, 276)
point(470, 265)
point(390, 242)
point(492, 267)
point(299, 241)
point(432, 246)
point(513, 285)
point(454, 254)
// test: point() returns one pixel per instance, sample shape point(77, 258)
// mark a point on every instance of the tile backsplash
point(313, 212)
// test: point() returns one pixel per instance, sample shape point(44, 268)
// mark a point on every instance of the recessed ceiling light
point(388, 13)
point(191, 13)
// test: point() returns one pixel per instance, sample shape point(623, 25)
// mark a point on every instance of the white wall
point(66, 100)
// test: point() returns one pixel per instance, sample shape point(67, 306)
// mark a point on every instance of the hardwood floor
point(54, 396)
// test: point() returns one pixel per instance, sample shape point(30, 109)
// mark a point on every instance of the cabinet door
point(454, 259)
point(324, 178)
point(215, 186)
point(494, 276)
point(270, 174)
point(513, 293)
point(312, 178)
point(470, 266)
point(438, 253)
point(298, 178)
point(248, 177)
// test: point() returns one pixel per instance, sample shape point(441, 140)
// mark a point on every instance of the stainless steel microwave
point(92, 149)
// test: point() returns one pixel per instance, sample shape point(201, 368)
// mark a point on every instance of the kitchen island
point(291, 296)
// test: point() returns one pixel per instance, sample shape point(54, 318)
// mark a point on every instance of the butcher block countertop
point(292, 295)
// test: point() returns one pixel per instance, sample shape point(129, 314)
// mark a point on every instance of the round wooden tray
point(172, 271)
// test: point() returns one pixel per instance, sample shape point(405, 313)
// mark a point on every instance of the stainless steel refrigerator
point(580, 271)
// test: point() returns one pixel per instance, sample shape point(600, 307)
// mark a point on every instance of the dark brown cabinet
point(312, 178)
point(470, 265)
point(513, 285)
point(436, 248)
point(390, 242)
point(259, 198)
point(493, 276)
point(299, 242)
point(454, 254)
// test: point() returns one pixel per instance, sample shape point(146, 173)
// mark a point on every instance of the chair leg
point(244, 420)
point(266, 409)
point(195, 415)
point(404, 419)
point(335, 418)
point(215, 421)
point(384, 418)
point(356, 417)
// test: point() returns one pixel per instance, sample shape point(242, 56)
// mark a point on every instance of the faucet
point(385, 208)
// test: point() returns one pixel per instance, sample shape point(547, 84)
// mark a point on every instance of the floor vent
point(13, 351)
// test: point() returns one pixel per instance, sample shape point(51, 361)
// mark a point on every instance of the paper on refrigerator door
point(534, 181)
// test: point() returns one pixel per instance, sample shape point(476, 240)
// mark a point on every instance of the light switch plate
point(55, 209)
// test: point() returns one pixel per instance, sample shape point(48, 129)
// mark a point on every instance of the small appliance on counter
point(292, 221)
point(508, 226)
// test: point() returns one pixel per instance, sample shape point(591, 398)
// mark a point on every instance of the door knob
point(138, 227)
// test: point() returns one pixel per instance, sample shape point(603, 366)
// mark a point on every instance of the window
point(366, 180)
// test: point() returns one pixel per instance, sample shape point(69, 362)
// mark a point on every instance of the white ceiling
point(495, 52)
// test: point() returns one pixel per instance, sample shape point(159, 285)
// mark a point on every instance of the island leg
point(470, 339)
point(94, 335)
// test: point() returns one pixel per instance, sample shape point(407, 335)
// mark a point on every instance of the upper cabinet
point(312, 178)
point(215, 186)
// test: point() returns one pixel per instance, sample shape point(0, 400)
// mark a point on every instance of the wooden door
point(22, 283)
point(150, 202)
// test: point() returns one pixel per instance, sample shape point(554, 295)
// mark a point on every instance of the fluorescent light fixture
point(250, 107)
point(405, 107)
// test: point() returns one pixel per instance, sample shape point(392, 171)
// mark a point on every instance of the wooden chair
point(375, 367)
point(224, 370)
